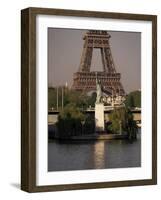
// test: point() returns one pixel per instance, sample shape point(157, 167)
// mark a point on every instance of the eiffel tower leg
point(86, 59)
point(109, 60)
point(103, 60)
point(89, 58)
point(112, 62)
point(83, 58)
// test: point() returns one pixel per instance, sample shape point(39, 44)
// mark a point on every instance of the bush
point(133, 99)
point(122, 118)
point(69, 121)
point(89, 125)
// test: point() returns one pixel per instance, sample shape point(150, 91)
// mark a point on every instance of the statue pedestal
point(99, 117)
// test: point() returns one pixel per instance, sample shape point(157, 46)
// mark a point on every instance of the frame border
point(28, 98)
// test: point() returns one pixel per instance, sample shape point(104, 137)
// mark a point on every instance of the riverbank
point(94, 137)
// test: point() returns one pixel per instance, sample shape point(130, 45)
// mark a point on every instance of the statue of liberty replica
point(98, 91)
point(99, 108)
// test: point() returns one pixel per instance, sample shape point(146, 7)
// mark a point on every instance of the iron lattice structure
point(84, 79)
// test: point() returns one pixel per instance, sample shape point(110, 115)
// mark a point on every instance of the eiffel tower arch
point(84, 79)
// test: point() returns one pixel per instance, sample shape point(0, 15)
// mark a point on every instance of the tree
point(69, 121)
point(133, 99)
point(117, 118)
point(89, 125)
point(79, 99)
point(123, 118)
point(131, 127)
point(51, 98)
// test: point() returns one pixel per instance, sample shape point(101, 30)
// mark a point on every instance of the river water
point(99, 154)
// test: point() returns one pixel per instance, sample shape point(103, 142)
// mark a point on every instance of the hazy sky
point(64, 53)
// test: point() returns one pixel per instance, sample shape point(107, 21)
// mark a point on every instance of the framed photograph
point(89, 99)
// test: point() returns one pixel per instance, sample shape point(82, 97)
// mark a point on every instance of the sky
point(65, 48)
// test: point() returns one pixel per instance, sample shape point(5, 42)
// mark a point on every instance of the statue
point(99, 108)
point(98, 90)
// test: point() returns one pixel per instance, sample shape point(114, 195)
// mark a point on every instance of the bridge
point(53, 114)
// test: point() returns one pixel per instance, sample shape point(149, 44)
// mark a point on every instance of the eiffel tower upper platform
point(84, 79)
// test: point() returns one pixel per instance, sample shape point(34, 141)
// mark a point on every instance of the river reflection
point(99, 154)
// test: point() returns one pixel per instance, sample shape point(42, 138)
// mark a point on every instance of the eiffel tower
point(84, 79)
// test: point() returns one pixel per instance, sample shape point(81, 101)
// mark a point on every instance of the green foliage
point(118, 118)
point(133, 99)
point(89, 125)
point(51, 98)
point(70, 121)
point(122, 119)
point(71, 111)
point(83, 100)
point(131, 127)
point(79, 99)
